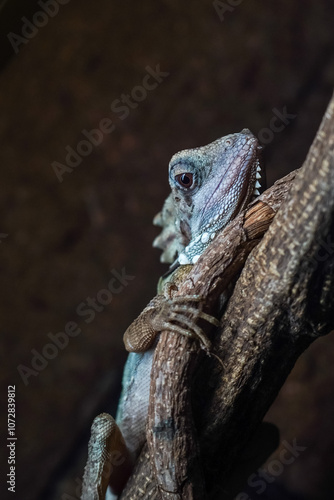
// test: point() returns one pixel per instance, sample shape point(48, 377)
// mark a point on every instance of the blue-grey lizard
point(210, 185)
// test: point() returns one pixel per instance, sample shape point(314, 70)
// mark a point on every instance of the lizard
point(210, 185)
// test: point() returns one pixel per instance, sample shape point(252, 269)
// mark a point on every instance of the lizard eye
point(186, 180)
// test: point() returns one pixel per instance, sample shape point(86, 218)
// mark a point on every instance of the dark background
point(63, 239)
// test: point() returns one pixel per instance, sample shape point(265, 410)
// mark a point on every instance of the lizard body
point(210, 185)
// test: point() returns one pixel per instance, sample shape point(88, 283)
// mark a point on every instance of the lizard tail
point(109, 461)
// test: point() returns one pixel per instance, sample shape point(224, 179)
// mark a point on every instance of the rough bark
point(201, 415)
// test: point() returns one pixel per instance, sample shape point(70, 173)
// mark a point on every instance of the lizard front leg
point(170, 313)
point(141, 334)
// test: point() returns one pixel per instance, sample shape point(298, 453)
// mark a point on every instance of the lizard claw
point(197, 312)
point(178, 316)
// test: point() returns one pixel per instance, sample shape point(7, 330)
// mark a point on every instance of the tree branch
point(202, 415)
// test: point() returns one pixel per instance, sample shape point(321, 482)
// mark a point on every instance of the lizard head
point(210, 186)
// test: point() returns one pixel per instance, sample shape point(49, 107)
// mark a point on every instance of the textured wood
point(171, 430)
point(280, 304)
point(223, 261)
